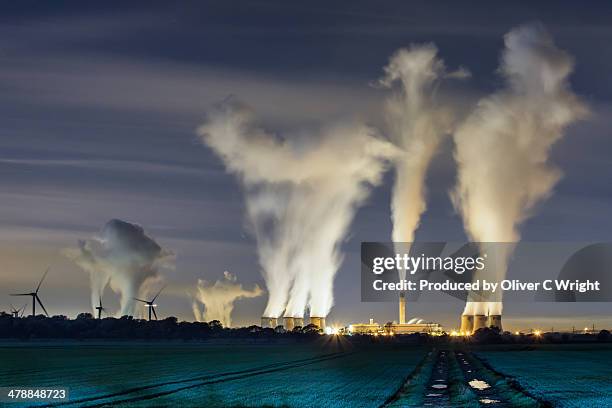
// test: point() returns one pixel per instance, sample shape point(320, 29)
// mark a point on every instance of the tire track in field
point(493, 389)
point(510, 385)
point(486, 393)
point(200, 381)
point(212, 381)
point(437, 393)
point(414, 383)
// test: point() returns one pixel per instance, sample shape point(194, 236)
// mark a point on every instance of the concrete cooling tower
point(318, 321)
point(289, 323)
point(467, 324)
point(270, 322)
point(495, 321)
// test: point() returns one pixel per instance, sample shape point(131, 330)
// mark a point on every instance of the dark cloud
point(99, 103)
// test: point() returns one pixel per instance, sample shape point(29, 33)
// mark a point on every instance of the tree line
point(128, 328)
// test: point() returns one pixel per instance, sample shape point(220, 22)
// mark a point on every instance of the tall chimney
point(402, 308)
point(467, 324)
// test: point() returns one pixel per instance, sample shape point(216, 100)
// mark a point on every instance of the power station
point(471, 323)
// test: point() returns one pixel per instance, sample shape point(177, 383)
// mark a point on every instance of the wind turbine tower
point(17, 312)
point(151, 304)
point(34, 295)
point(99, 308)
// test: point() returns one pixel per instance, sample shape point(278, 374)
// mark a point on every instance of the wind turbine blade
point(162, 288)
point(140, 300)
point(41, 305)
point(21, 294)
point(42, 279)
point(154, 314)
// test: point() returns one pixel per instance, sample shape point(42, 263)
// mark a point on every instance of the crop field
point(327, 373)
point(332, 374)
point(564, 375)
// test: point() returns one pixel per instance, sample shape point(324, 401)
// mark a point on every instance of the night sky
point(99, 105)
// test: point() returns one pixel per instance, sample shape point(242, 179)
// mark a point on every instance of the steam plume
point(124, 257)
point(502, 148)
point(218, 299)
point(417, 125)
point(301, 196)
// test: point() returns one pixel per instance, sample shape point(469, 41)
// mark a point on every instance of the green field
point(564, 375)
point(330, 374)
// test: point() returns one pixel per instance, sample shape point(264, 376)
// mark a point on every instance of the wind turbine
point(150, 304)
point(17, 312)
point(34, 295)
point(99, 308)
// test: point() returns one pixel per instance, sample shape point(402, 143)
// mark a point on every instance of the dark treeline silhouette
point(492, 335)
point(85, 327)
point(128, 328)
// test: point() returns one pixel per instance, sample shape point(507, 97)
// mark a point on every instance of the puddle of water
point(469, 371)
point(433, 395)
point(439, 380)
point(479, 384)
point(488, 401)
point(439, 386)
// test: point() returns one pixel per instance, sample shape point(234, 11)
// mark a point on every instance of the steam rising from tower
point(502, 148)
point(125, 257)
point(417, 124)
point(301, 196)
point(218, 299)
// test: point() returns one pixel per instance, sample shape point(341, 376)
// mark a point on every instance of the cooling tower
point(480, 321)
point(495, 321)
point(289, 323)
point(402, 308)
point(318, 321)
point(271, 322)
point(299, 321)
point(467, 324)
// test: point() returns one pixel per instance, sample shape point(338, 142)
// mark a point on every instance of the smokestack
point(318, 321)
point(467, 324)
point(289, 323)
point(402, 308)
point(271, 322)
point(298, 321)
point(480, 321)
point(495, 321)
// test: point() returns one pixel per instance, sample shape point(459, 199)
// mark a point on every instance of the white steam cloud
point(301, 194)
point(124, 257)
point(417, 122)
point(502, 148)
point(218, 299)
